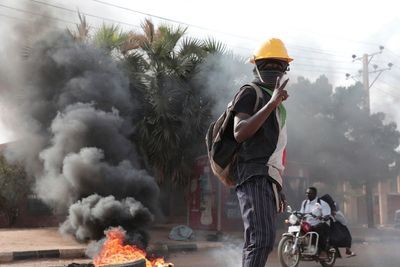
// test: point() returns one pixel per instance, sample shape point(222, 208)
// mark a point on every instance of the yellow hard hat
point(272, 48)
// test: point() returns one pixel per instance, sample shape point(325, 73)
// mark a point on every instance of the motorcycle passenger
point(339, 217)
point(320, 212)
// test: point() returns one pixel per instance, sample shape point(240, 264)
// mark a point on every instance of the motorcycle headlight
point(293, 219)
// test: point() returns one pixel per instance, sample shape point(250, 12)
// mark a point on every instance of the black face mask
point(269, 77)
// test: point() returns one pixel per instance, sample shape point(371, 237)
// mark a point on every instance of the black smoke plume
point(72, 108)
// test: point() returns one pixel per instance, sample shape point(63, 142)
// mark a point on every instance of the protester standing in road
point(260, 159)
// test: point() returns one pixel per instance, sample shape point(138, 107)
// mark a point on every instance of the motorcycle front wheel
point(288, 256)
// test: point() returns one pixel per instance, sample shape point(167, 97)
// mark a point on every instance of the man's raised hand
point(279, 94)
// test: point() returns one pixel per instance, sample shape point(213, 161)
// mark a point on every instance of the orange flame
point(114, 252)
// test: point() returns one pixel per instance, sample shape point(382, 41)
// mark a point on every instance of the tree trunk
point(370, 204)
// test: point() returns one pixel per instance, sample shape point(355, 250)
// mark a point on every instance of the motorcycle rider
point(318, 218)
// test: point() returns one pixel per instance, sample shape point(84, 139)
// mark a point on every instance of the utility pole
point(365, 62)
point(366, 59)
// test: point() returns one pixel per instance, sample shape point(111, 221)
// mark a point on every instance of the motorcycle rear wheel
point(330, 262)
point(286, 256)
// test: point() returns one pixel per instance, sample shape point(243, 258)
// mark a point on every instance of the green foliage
point(332, 133)
point(109, 37)
point(14, 186)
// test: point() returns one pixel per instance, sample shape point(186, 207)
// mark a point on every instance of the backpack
point(327, 198)
point(221, 144)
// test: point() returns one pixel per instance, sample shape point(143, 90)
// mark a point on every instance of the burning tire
point(288, 256)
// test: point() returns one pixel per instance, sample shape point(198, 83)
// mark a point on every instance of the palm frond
point(81, 34)
point(213, 46)
point(110, 37)
point(134, 41)
point(167, 40)
point(148, 30)
point(191, 46)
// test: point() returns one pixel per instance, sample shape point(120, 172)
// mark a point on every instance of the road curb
point(35, 254)
point(6, 257)
point(160, 249)
point(72, 253)
point(163, 249)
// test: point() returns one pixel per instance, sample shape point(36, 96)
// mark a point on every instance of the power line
point(163, 18)
point(28, 21)
point(327, 72)
point(36, 14)
point(209, 29)
point(311, 50)
point(322, 66)
point(322, 59)
point(389, 93)
point(15, 18)
point(396, 55)
point(391, 78)
point(395, 91)
point(86, 14)
point(302, 49)
point(314, 50)
point(66, 21)
point(42, 15)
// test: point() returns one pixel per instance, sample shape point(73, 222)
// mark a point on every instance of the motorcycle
point(299, 243)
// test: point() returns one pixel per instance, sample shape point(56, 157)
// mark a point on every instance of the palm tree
point(175, 116)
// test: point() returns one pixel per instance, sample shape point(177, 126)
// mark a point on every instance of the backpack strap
point(304, 205)
point(258, 91)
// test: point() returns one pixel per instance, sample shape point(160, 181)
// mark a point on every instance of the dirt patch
point(35, 239)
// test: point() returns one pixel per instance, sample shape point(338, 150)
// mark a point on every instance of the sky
point(321, 36)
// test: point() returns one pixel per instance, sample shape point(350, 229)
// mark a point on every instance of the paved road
point(368, 255)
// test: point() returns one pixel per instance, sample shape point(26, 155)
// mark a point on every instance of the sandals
point(352, 254)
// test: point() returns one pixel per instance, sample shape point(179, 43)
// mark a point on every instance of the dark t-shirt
point(255, 152)
point(246, 102)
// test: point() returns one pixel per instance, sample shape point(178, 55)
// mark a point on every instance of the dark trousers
point(257, 205)
point(323, 231)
